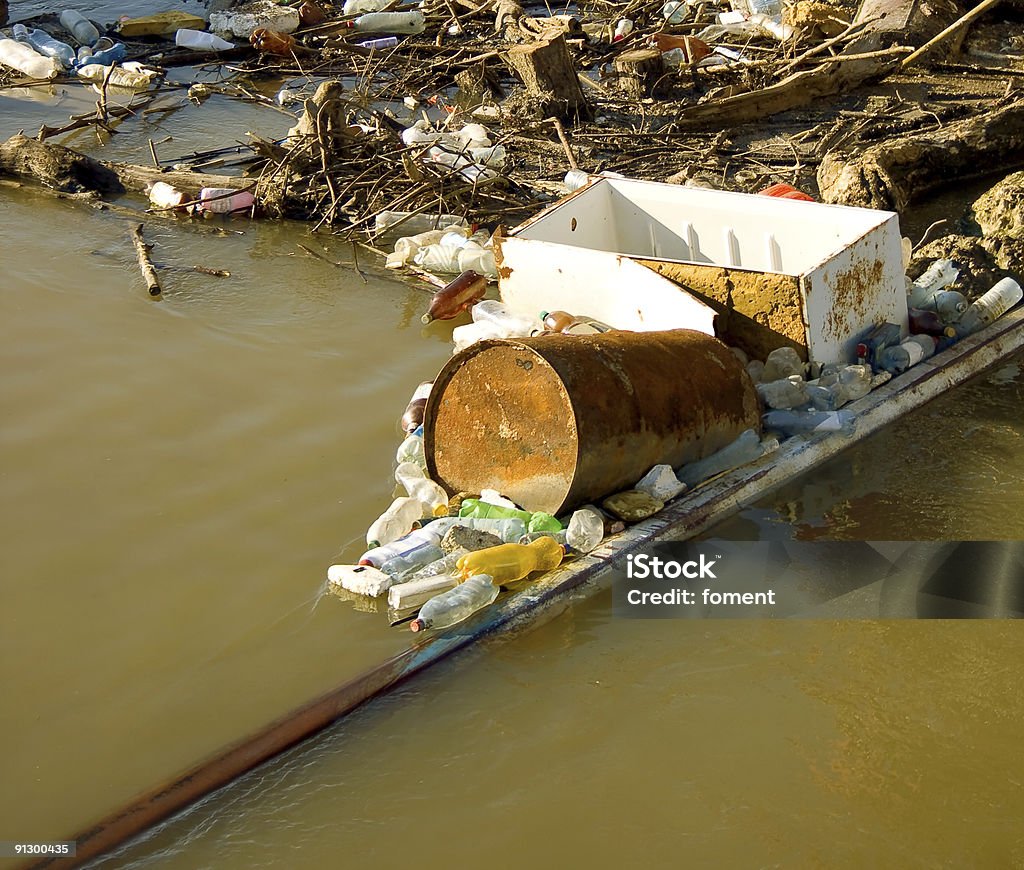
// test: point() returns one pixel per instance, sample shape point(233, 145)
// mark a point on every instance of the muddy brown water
point(178, 474)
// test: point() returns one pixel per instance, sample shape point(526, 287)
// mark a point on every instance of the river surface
point(178, 474)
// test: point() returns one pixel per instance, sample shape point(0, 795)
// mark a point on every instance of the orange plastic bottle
point(272, 42)
point(507, 563)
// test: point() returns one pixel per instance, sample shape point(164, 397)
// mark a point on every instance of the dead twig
point(145, 262)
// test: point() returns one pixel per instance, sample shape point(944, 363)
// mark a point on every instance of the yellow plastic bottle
point(507, 563)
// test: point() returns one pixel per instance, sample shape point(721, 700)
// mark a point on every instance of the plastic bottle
point(438, 258)
point(164, 195)
point(310, 14)
point(781, 363)
point(898, 358)
point(949, 305)
point(508, 529)
point(224, 199)
point(585, 530)
point(272, 42)
point(757, 7)
point(382, 44)
point(455, 605)
point(875, 341)
point(411, 450)
point(27, 60)
point(411, 561)
point(390, 22)
point(938, 275)
point(412, 419)
point(407, 222)
point(543, 522)
point(80, 27)
point(794, 422)
point(575, 179)
point(46, 45)
point(456, 296)
point(475, 258)
point(923, 322)
point(420, 487)
point(674, 12)
point(201, 40)
point(442, 565)
point(475, 508)
point(788, 392)
point(507, 563)
point(992, 305)
point(744, 449)
point(623, 27)
point(507, 323)
point(785, 191)
point(118, 76)
point(530, 537)
point(395, 522)
point(112, 54)
point(431, 532)
point(570, 324)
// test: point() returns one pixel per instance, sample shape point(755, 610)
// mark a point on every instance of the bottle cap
point(417, 625)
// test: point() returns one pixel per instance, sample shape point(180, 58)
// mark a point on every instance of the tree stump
point(546, 70)
point(637, 72)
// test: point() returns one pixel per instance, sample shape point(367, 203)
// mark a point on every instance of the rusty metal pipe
point(554, 421)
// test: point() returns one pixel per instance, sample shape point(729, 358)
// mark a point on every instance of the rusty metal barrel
point(555, 421)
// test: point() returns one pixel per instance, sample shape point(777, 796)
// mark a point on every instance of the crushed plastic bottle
point(793, 422)
point(781, 363)
point(395, 522)
point(131, 76)
point(411, 450)
point(27, 60)
point(788, 392)
point(508, 563)
point(452, 607)
point(661, 482)
point(585, 530)
point(746, 448)
point(412, 560)
point(410, 475)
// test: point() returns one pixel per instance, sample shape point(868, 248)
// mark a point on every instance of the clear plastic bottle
point(585, 530)
point(80, 27)
point(411, 561)
point(410, 475)
point(457, 604)
point(201, 40)
point(907, 353)
point(475, 508)
point(781, 363)
point(510, 562)
point(408, 222)
point(27, 60)
point(444, 564)
point(875, 340)
point(949, 305)
point(118, 76)
point(413, 416)
point(992, 305)
point(390, 22)
point(938, 275)
point(744, 449)
point(46, 45)
point(395, 522)
point(788, 392)
point(456, 296)
point(793, 422)
point(114, 53)
point(509, 530)
point(502, 318)
point(530, 537)
point(674, 12)
point(432, 532)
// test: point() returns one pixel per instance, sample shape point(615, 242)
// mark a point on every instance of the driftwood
point(56, 166)
point(547, 72)
point(956, 28)
point(145, 262)
point(834, 76)
point(895, 172)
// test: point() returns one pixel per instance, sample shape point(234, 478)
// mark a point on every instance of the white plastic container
point(411, 476)
point(200, 40)
point(164, 195)
point(357, 7)
point(390, 22)
point(408, 223)
point(27, 60)
point(478, 259)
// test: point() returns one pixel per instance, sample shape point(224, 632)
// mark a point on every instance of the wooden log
point(56, 166)
point(637, 72)
point(897, 171)
point(547, 72)
point(145, 262)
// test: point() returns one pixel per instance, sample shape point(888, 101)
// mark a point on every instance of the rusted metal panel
point(554, 421)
